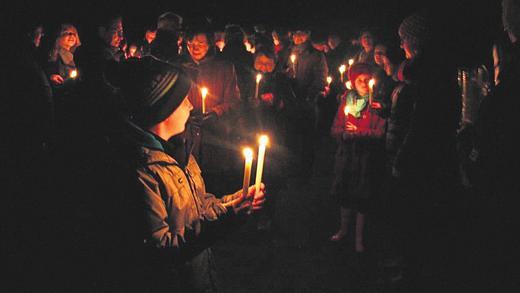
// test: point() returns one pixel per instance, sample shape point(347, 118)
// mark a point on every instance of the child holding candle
point(181, 219)
point(360, 154)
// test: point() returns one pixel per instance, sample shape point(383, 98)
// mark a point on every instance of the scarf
point(356, 103)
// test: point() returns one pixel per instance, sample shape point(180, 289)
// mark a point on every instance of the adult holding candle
point(60, 65)
point(181, 219)
point(360, 156)
point(210, 128)
point(275, 106)
point(308, 84)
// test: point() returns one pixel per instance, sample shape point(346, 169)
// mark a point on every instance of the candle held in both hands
point(248, 155)
point(263, 141)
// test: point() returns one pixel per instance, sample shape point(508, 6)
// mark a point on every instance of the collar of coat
point(152, 149)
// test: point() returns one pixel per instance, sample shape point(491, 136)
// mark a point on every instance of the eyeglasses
point(68, 33)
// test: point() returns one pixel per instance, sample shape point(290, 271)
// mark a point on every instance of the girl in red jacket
point(359, 130)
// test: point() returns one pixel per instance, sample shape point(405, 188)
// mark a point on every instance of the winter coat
point(311, 73)
point(220, 78)
point(398, 120)
point(427, 158)
point(181, 219)
point(359, 160)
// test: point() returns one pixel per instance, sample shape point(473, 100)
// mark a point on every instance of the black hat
point(153, 90)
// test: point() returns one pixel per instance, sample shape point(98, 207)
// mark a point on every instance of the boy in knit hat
point(182, 220)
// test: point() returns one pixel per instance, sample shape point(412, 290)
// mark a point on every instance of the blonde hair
point(53, 55)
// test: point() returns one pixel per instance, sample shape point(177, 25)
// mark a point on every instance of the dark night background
point(469, 27)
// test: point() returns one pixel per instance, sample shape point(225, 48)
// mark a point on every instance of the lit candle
point(348, 84)
point(350, 62)
point(248, 155)
point(263, 140)
point(73, 73)
point(342, 70)
point(258, 78)
point(329, 80)
point(293, 62)
point(346, 110)
point(371, 84)
point(204, 92)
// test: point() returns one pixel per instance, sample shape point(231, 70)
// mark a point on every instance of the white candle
point(73, 73)
point(346, 110)
point(342, 70)
point(371, 84)
point(293, 62)
point(263, 140)
point(258, 78)
point(248, 155)
point(348, 84)
point(204, 92)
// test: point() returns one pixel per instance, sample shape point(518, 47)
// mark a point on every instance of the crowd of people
point(108, 129)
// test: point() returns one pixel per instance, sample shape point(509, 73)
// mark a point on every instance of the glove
point(209, 118)
point(196, 120)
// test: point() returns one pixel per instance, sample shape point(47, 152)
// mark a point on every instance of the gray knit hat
point(416, 29)
point(153, 90)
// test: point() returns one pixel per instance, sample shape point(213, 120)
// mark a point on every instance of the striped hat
point(415, 29)
point(153, 90)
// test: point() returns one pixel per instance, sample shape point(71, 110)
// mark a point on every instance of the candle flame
point(342, 68)
point(263, 140)
point(204, 92)
point(258, 77)
point(348, 84)
point(73, 73)
point(346, 110)
point(248, 153)
point(293, 58)
point(371, 83)
point(329, 79)
point(350, 62)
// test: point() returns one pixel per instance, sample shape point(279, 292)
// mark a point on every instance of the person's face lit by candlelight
point(264, 63)
point(367, 41)
point(149, 36)
point(198, 47)
point(68, 38)
point(176, 122)
point(361, 84)
point(379, 55)
point(300, 37)
point(113, 35)
point(409, 48)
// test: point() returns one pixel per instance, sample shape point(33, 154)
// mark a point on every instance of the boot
point(343, 227)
